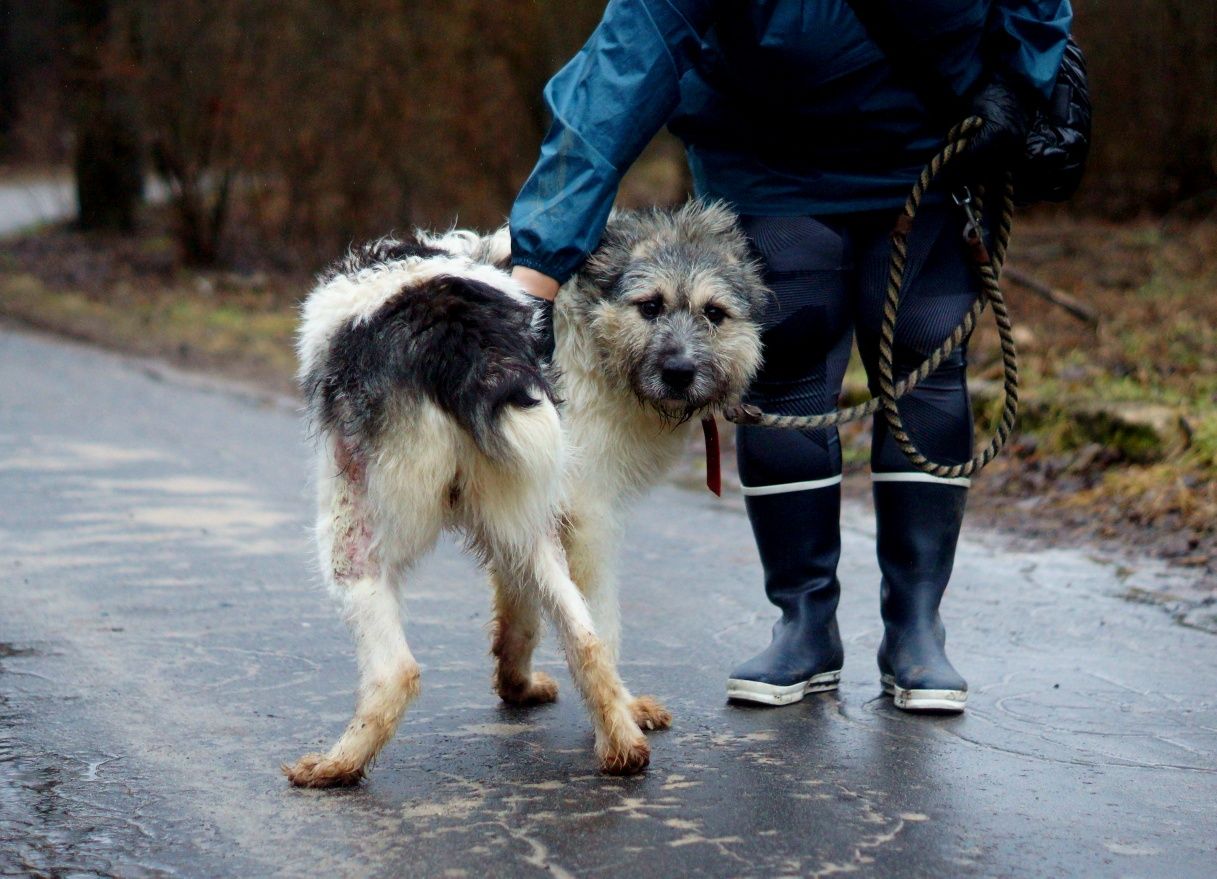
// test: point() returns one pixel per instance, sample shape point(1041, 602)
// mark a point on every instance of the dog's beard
point(677, 409)
point(677, 412)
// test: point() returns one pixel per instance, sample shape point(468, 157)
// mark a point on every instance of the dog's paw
point(318, 770)
point(540, 689)
point(628, 757)
point(649, 713)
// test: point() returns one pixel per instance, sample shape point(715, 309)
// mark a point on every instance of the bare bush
point(393, 112)
point(337, 119)
point(201, 70)
point(319, 121)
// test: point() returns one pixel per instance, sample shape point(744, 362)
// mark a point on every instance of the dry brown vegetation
point(327, 120)
point(1154, 284)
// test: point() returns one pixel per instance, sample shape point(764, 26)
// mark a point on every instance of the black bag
point(1058, 139)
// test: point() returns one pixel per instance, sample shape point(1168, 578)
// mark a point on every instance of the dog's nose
point(678, 373)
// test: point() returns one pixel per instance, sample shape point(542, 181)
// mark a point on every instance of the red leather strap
point(714, 467)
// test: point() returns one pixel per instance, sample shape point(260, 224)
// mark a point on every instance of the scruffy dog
point(419, 364)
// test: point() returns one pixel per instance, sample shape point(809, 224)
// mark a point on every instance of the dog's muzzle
point(678, 374)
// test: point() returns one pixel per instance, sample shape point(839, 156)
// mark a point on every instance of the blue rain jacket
point(786, 107)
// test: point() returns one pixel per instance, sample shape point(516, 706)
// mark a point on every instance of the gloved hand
point(999, 143)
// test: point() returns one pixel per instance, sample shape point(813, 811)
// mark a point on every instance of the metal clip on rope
point(988, 266)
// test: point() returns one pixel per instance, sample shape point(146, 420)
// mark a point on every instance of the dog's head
point(671, 303)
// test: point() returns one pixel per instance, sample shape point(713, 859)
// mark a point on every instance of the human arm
point(1026, 39)
point(607, 103)
point(535, 283)
point(1024, 44)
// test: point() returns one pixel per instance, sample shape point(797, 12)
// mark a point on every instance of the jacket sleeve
point(607, 103)
point(1028, 39)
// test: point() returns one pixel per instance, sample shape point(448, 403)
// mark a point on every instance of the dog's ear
point(710, 219)
point(716, 227)
point(713, 223)
point(623, 232)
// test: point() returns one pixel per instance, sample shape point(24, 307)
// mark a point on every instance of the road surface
point(31, 202)
point(164, 646)
point(27, 203)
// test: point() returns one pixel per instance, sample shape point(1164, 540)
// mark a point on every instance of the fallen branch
point(1071, 304)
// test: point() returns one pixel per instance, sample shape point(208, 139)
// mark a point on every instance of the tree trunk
point(8, 89)
point(109, 156)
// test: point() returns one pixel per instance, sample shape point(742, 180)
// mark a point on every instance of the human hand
point(535, 283)
point(544, 288)
point(999, 142)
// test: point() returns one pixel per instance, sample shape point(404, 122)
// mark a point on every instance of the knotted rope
point(988, 265)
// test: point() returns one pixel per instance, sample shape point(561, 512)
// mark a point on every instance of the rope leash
point(890, 391)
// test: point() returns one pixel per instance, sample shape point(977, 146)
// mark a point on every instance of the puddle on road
point(42, 832)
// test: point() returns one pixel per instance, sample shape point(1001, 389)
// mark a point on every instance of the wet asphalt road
point(39, 200)
point(28, 203)
point(164, 646)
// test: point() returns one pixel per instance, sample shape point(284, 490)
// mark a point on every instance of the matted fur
point(417, 359)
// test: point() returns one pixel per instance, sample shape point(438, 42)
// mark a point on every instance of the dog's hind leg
point(388, 682)
point(514, 526)
point(388, 672)
point(516, 631)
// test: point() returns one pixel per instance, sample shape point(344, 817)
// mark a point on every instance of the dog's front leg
point(620, 744)
point(591, 539)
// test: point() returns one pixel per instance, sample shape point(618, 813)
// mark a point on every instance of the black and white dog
point(419, 363)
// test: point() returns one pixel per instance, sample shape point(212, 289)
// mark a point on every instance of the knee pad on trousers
point(937, 416)
point(807, 336)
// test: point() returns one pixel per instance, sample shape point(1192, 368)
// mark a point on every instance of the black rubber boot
point(799, 538)
point(918, 528)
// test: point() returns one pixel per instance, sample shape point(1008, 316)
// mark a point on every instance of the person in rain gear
point(795, 115)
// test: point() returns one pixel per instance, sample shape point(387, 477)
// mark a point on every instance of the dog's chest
point(617, 453)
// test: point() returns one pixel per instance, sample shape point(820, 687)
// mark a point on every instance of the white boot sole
point(770, 694)
point(924, 700)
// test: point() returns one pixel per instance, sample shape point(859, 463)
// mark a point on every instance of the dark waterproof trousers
point(829, 280)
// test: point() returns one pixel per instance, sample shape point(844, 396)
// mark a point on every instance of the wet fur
point(418, 366)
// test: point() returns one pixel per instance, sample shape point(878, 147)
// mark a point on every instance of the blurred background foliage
point(312, 122)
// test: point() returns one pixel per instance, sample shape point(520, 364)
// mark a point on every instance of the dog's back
point(399, 323)
point(418, 364)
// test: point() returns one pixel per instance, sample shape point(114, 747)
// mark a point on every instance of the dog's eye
point(650, 308)
point(714, 314)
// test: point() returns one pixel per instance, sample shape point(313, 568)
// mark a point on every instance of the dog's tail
point(461, 342)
